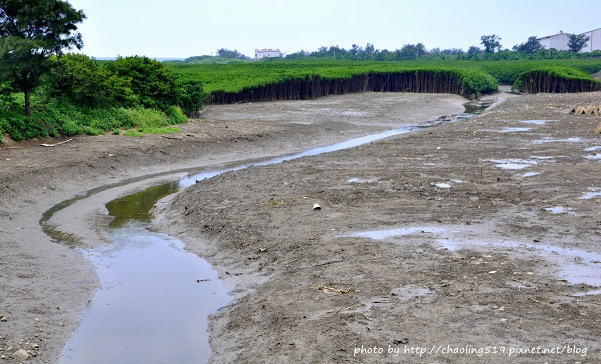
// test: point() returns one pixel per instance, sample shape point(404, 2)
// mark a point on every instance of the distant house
point(560, 41)
point(594, 43)
point(267, 53)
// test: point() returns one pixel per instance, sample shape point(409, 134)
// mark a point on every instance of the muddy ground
point(469, 255)
point(487, 245)
point(45, 286)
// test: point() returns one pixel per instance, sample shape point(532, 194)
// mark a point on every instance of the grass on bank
point(141, 132)
point(50, 119)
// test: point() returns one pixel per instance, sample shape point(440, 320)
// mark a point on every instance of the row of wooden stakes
point(586, 110)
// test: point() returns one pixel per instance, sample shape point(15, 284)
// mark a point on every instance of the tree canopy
point(227, 53)
point(491, 43)
point(577, 42)
point(31, 31)
point(532, 45)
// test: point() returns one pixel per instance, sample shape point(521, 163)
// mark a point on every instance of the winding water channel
point(155, 297)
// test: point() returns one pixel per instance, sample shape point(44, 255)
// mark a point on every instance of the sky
point(185, 28)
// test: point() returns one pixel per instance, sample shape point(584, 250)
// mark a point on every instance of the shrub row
point(555, 80)
point(469, 83)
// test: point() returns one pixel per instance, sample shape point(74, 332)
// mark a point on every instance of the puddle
point(576, 266)
point(137, 206)
point(153, 305)
point(517, 164)
point(537, 122)
point(442, 185)
point(390, 233)
point(567, 140)
point(592, 149)
point(476, 108)
point(514, 130)
point(587, 293)
point(513, 164)
point(530, 174)
point(353, 113)
point(358, 180)
point(593, 193)
point(560, 210)
point(596, 156)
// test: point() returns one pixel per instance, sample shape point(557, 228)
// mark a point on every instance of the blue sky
point(184, 28)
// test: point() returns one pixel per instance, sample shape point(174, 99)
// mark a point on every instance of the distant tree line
point(491, 50)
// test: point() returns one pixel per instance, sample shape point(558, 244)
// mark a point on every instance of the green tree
point(84, 82)
point(369, 50)
point(474, 52)
point(412, 51)
point(31, 31)
point(491, 43)
point(191, 98)
point(532, 45)
point(577, 42)
point(226, 53)
point(150, 80)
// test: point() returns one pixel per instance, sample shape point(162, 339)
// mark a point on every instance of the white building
point(267, 53)
point(560, 41)
point(594, 43)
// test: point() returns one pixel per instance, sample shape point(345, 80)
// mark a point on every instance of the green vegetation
point(31, 31)
point(281, 79)
point(46, 93)
point(555, 80)
point(232, 79)
point(140, 132)
point(577, 42)
point(82, 96)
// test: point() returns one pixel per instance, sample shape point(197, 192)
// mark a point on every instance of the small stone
point(21, 354)
point(35, 346)
point(3, 318)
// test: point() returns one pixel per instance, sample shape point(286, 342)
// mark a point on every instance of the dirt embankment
point(481, 238)
point(45, 286)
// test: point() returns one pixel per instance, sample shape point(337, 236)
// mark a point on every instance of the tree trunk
point(27, 103)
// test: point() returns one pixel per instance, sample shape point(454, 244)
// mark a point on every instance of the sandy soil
point(45, 285)
point(488, 246)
